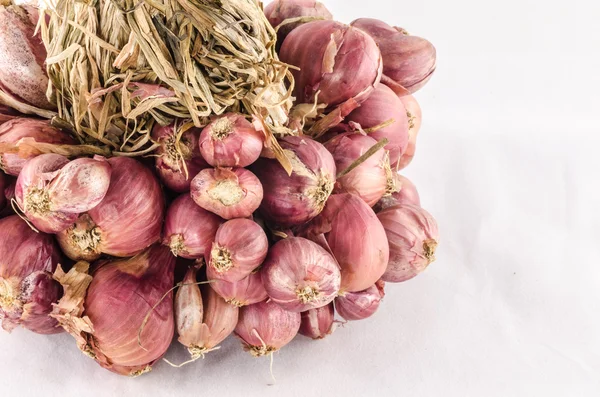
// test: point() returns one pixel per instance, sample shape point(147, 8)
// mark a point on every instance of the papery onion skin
point(413, 111)
point(293, 200)
point(408, 61)
point(247, 291)
point(31, 195)
point(341, 62)
point(300, 275)
point(171, 164)
point(380, 107)
point(402, 191)
point(40, 130)
point(122, 292)
point(266, 327)
point(356, 238)
point(231, 141)
point(203, 319)
point(279, 10)
point(229, 193)
point(318, 323)
point(369, 179)
point(189, 230)
point(27, 290)
point(413, 238)
point(7, 114)
point(128, 220)
point(22, 56)
point(240, 246)
point(360, 305)
point(3, 185)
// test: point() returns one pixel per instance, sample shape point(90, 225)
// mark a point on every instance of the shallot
point(413, 238)
point(266, 327)
point(3, 183)
point(408, 61)
point(27, 290)
point(294, 199)
point(292, 13)
point(356, 238)
point(300, 275)
point(189, 229)
point(52, 191)
point(203, 318)
point(401, 191)
point(362, 304)
point(338, 64)
point(178, 156)
point(23, 79)
point(128, 220)
point(20, 128)
point(240, 246)
point(384, 113)
point(318, 323)
point(126, 324)
point(7, 114)
point(244, 292)
point(231, 141)
point(413, 111)
point(369, 179)
point(228, 192)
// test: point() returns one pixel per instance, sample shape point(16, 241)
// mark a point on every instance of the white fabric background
point(508, 163)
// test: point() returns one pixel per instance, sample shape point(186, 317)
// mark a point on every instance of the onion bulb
point(266, 327)
point(51, 191)
point(300, 275)
point(294, 199)
point(18, 128)
point(340, 62)
point(318, 323)
point(127, 221)
point(189, 230)
point(369, 179)
point(229, 193)
point(247, 291)
point(401, 191)
point(240, 246)
point(385, 114)
point(7, 114)
point(413, 111)
point(27, 289)
point(178, 156)
point(203, 318)
point(231, 141)
point(360, 305)
point(408, 61)
point(413, 238)
point(356, 238)
point(124, 325)
point(3, 185)
point(279, 11)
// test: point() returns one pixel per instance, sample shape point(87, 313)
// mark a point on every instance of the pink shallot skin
point(244, 292)
point(404, 192)
point(413, 238)
point(189, 229)
point(408, 61)
point(279, 10)
point(18, 128)
point(27, 290)
point(293, 200)
point(300, 275)
point(231, 141)
point(22, 57)
point(415, 117)
point(3, 185)
point(318, 323)
point(120, 296)
point(266, 327)
point(369, 179)
point(360, 305)
point(170, 164)
point(381, 107)
point(7, 114)
point(342, 62)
